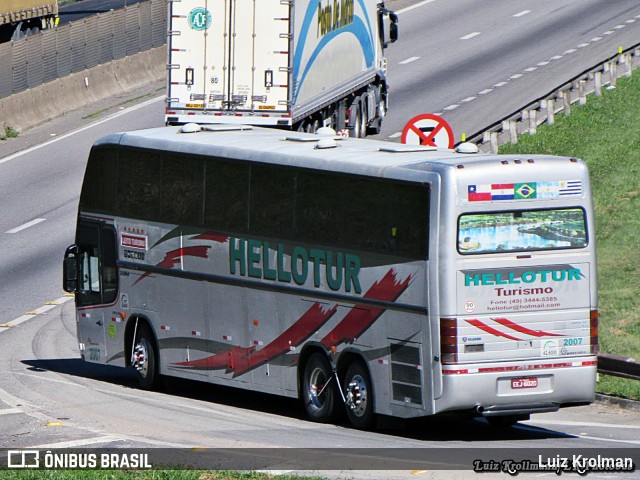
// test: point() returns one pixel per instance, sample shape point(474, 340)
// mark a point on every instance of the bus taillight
point(449, 340)
point(593, 330)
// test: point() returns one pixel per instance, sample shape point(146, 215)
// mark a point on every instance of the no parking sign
point(428, 130)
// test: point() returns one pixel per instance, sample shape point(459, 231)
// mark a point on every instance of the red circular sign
point(428, 130)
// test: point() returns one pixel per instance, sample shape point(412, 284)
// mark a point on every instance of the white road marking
point(38, 311)
point(80, 443)
point(595, 39)
point(582, 45)
point(632, 442)
point(530, 69)
point(470, 36)
point(409, 60)
point(500, 84)
point(26, 225)
point(82, 129)
point(395, 135)
point(451, 107)
point(556, 57)
point(619, 27)
point(417, 5)
point(516, 76)
point(567, 52)
point(609, 32)
point(485, 91)
point(8, 411)
point(468, 99)
point(583, 424)
point(522, 13)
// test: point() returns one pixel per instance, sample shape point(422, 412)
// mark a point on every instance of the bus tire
point(145, 359)
point(318, 389)
point(359, 394)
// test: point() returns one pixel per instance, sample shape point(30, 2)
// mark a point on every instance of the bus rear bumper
point(499, 390)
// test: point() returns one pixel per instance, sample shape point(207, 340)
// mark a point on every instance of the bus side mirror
point(70, 269)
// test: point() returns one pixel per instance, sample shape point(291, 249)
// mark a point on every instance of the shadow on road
point(441, 428)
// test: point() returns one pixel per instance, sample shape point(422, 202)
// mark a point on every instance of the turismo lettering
point(254, 258)
point(511, 278)
point(334, 15)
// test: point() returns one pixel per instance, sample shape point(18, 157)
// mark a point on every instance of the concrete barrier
point(35, 106)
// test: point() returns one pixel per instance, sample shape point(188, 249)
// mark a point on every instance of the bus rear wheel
point(145, 359)
point(319, 389)
point(359, 396)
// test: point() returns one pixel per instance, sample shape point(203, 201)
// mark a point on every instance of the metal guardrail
point(619, 366)
point(98, 39)
point(543, 110)
point(558, 100)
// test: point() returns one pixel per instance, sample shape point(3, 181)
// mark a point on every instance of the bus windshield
point(521, 230)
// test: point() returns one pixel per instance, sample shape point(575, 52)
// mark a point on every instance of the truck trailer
point(19, 18)
point(294, 64)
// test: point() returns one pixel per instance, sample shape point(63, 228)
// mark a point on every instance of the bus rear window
point(522, 230)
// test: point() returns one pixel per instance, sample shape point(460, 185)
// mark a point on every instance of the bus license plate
point(517, 383)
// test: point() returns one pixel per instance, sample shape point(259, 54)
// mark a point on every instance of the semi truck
point(19, 18)
point(294, 64)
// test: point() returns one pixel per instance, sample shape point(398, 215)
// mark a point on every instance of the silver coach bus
point(354, 274)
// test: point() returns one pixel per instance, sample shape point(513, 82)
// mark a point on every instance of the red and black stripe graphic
point(360, 318)
point(511, 325)
point(173, 257)
point(240, 360)
point(527, 331)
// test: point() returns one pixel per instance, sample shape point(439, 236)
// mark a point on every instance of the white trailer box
point(297, 64)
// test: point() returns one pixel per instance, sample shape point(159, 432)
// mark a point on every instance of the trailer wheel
point(376, 124)
point(319, 389)
point(145, 359)
point(354, 119)
point(314, 125)
point(359, 396)
point(364, 117)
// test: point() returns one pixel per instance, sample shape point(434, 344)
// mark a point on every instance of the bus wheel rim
point(141, 361)
point(358, 384)
point(317, 383)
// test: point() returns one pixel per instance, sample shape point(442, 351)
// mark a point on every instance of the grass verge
point(605, 133)
point(9, 132)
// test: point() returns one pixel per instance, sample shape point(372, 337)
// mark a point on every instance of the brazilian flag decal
point(524, 190)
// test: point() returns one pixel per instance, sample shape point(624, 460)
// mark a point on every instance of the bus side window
point(182, 189)
point(271, 203)
point(226, 202)
point(109, 277)
point(139, 185)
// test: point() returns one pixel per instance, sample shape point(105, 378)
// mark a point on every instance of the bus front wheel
point(145, 359)
point(359, 396)
point(319, 389)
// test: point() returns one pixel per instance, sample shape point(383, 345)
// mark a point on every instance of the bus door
point(95, 285)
